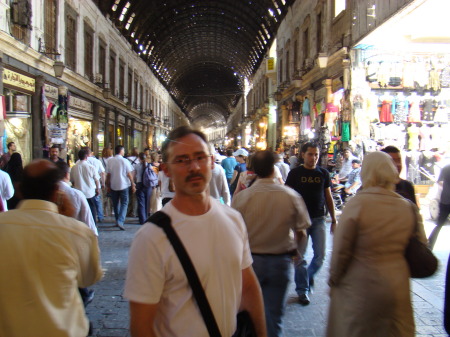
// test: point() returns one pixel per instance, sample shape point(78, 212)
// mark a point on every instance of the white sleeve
point(84, 212)
point(224, 190)
point(8, 188)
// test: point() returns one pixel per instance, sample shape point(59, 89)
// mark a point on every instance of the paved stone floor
point(109, 311)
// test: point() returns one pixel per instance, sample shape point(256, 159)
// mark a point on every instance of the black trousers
point(444, 211)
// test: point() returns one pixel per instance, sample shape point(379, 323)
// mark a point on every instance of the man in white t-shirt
point(161, 299)
point(119, 178)
point(101, 172)
point(167, 190)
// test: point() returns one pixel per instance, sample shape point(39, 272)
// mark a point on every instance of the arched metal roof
point(201, 50)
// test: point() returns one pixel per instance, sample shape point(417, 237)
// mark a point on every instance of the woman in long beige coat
point(369, 276)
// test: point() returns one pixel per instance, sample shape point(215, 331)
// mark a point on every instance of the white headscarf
point(378, 169)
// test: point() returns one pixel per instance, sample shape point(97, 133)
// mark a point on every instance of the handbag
point(245, 326)
point(421, 260)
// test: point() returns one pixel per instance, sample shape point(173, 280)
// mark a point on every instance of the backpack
point(149, 177)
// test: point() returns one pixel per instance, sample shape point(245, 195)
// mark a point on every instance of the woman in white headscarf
point(369, 276)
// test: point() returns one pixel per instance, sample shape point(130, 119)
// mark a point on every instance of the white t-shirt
point(165, 193)
point(218, 246)
point(119, 167)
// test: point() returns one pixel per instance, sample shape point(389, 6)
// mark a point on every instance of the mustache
point(195, 175)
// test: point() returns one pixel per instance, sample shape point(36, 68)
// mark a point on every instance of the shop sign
point(138, 126)
point(112, 116)
point(80, 104)
point(18, 80)
point(101, 112)
point(51, 91)
point(270, 64)
point(121, 119)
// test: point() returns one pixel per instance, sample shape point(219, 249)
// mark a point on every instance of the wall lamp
point(58, 67)
point(322, 60)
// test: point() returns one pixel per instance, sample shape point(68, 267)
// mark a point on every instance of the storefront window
point(110, 135)
point(78, 136)
point(101, 140)
point(17, 125)
point(137, 140)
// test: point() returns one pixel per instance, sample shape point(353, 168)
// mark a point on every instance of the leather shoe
point(120, 226)
point(311, 285)
point(303, 299)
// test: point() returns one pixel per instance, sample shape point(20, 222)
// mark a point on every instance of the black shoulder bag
point(244, 324)
point(421, 260)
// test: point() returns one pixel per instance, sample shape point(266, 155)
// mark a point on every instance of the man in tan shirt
point(45, 258)
point(270, 212)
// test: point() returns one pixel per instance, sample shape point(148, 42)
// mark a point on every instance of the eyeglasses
point(186, 161)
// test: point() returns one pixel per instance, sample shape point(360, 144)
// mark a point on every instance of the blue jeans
point(273, 275)
point(303, 275)
point(120, 211)
point(143, 198)
point(91, 203)
point(99, 207)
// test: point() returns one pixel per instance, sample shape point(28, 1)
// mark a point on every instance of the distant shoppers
point(229, 163)
point(143, 192)
point(4, 159)
point(119, 179)
point(404, 187)
point(155, 199)
point(241, 157)
point(247, 177)
point(167, 189)
point(282, 166)
point(313, 183)
point(353, 182)
point(15, 170)
point(133, 158)
point(218, 186)
point(369, 275)
point(101, 172)
point(53, 154)
point(270, 212)
point(346, 167)
point(52, 254)
point(106, 197)
point(85, 178)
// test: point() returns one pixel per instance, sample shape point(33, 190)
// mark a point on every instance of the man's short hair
point(356, 161)
point(178, 133)
point(263, 162)
point(87, 148)
point(118, 149)
point(10, 144)
point(391, 149)
point(229, 152)
point(307, 145)
point(82, 154)
point(63, 169)
point(41, 186)
point(56, 146)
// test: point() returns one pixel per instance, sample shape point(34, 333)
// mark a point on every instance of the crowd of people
point(244, 218)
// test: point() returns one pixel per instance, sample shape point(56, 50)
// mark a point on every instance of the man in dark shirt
point(54, 154)
point(313, 184)
point(404, 187)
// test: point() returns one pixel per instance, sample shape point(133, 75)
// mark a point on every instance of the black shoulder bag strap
point(162, 220)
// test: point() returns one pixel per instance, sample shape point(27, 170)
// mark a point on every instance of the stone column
point(95, 127)
point(1, 73)
point(327, 85)
point(125, 135)
point(37, 131)
point(106, 131)
point(116, 125)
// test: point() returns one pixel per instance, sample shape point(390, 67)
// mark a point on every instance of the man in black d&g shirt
point(313, 184)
